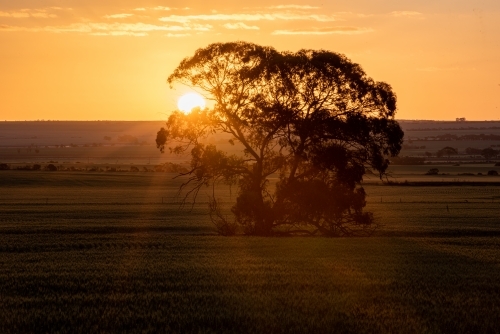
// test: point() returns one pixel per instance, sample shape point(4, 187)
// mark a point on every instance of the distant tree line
point(488, 152)
point(435, 171)
point(459, 128)
point(452, 137)
point(163, 168)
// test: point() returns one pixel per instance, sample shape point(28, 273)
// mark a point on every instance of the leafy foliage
point(432, 171)
point(312, 117)
point(448, 151)
point(489, 153)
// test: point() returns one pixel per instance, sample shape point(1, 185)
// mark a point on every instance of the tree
point(313, 118)
point(448, 151)
point(489, 153)
point(51, 167)
point(432, 171)
point(473, 151)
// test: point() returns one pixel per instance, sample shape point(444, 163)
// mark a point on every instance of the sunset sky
point(109, 60)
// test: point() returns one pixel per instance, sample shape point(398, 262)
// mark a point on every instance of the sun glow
point(189, 101)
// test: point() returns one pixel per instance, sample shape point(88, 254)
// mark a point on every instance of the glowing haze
point(85, 60)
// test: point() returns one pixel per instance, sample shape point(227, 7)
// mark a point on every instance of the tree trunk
point(263, 220)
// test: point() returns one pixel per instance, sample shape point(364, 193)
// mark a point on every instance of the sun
point(189, 101)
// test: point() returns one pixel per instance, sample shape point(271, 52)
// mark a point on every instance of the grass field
point(104, 252)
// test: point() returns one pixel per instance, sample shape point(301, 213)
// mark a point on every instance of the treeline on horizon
point(452, 137)
point(168, 167)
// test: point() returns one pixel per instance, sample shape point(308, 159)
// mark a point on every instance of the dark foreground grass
point(161, 283)
point(102, 253)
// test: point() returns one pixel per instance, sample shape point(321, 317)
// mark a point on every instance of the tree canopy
point(448, 151)
point(489, 153)
point(313, 118)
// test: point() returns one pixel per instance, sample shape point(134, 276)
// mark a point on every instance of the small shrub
point(492, 173)
point(51, 167)
point(497, 164)
point(432, 171)
point(4, 167)
point(37, 167)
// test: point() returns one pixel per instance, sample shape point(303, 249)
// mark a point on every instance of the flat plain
point(100, 248)
point(106, 252)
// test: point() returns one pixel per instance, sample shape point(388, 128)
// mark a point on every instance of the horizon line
point(163, 120)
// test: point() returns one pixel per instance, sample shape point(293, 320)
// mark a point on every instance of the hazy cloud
point(249, 17)
point(325, 31)
point(177, 35)
point(118, 16)
point(25, 13)
point(160, 8)
point(306, 7)
point(61, 8)
point(120, 33)
point(406, 14)
point(14, 14)
point(240, 25)
point(113, 29)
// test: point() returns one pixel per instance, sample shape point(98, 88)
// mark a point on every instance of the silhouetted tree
point(489, 153)
point(312, 117)
point(473, 151)
point(447, 151)
point(432, 171)
point(51, 167)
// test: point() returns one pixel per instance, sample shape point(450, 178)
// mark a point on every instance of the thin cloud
point(26, 13)
point(120, 33)
point(240, 25)
point(177, 35)
point(325, 31)
point(405, 14)
point(160, 8)
point(16, 15)
point(248, 17)
point(113, 29)
point(304, 7)
point(61, 8)
point(118, 16)
point(5, 27)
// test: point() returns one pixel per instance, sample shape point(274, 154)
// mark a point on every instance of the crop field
point(99, 252)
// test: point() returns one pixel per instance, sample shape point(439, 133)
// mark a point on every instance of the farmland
point(87, 252)
point(97, 250)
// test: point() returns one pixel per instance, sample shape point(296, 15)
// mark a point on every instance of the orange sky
point(88, 60)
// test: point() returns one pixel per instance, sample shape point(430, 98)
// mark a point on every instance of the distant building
point(460, 119)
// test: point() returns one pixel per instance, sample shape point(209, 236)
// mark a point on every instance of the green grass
point(83, 252)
